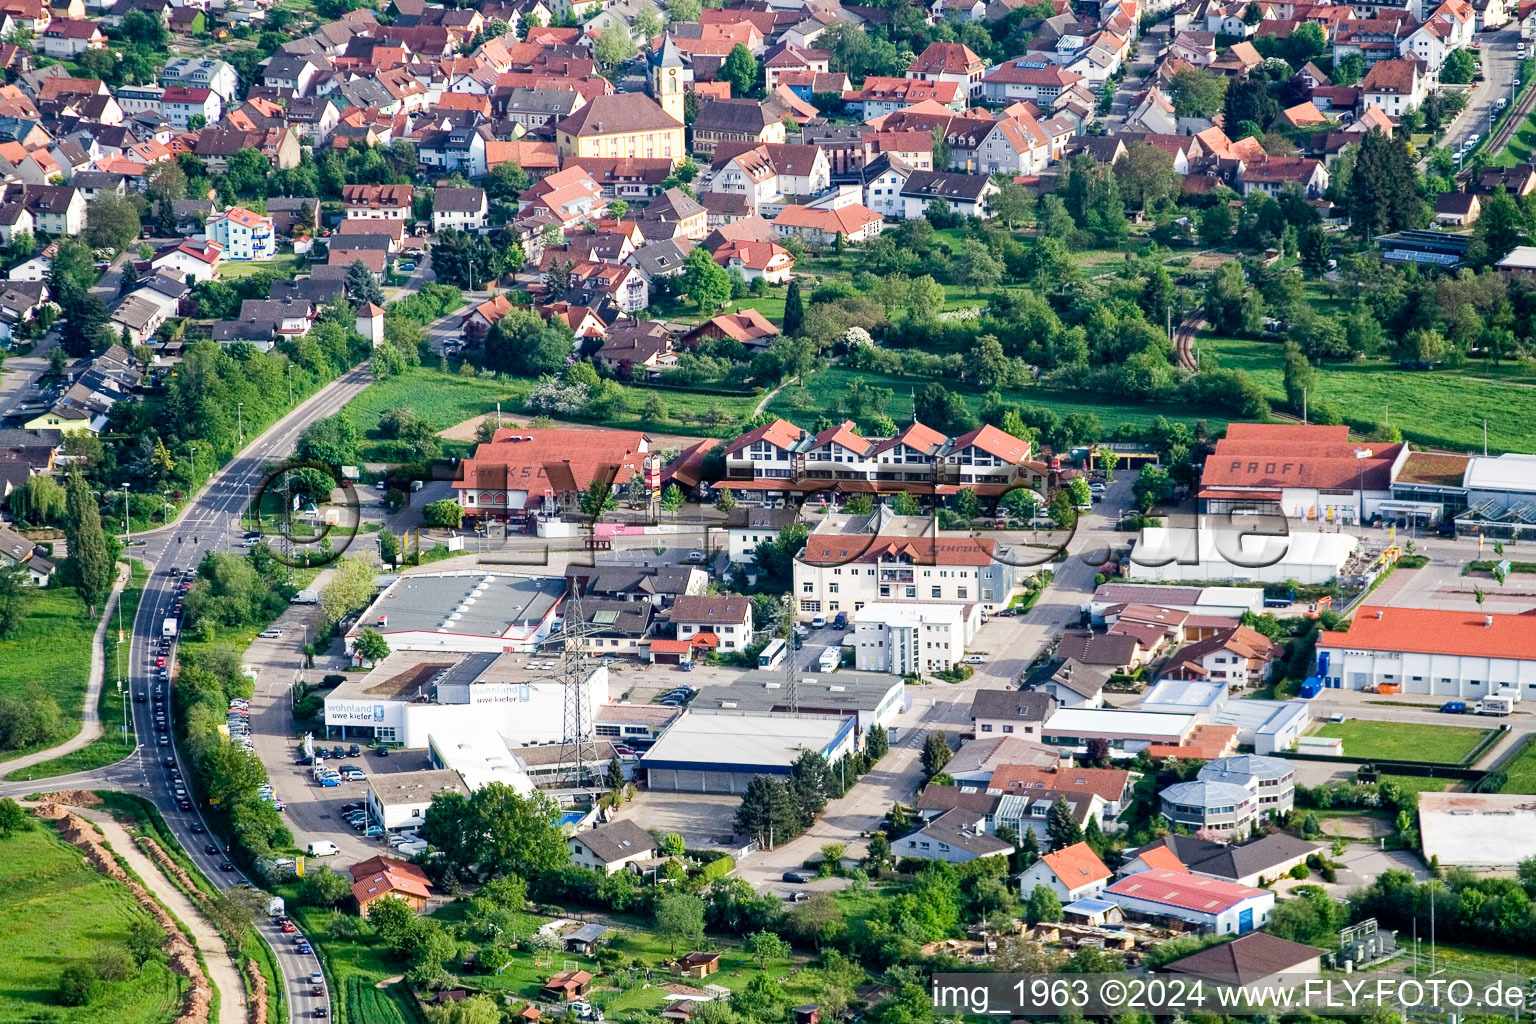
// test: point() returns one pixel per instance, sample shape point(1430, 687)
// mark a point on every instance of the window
point(986, 728)
point(1007, 728)
point(937, 592)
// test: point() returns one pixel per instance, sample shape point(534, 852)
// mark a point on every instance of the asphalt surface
point(1500, 67)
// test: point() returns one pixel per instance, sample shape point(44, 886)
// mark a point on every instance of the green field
point(824, 387)
point(445, 399)
point(1404, 741)
point(1440, 409)
point(1418, 783)
point(1521, 772)
point(55, 909)
point(112, 746)
point(52, 649)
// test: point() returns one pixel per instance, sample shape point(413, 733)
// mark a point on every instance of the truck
point(168, 628)
point(1495, 706)
point(1282, 600)
point(305, 597)
point(275, 908)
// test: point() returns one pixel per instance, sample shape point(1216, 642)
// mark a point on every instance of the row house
point(378, 202)
point(779, 460)
point(740, 120)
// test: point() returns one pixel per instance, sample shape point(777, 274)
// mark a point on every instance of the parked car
point(270, 634)
point(354, 751)
point(798, 877)
point(818, 622)
point(974, 659)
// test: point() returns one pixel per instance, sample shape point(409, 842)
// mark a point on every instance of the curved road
point(210, 522)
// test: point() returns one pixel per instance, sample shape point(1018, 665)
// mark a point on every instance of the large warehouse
point(1175, 554)
point(411, 694)
point(464, 612)
point(1433, 653)
point(722, 753)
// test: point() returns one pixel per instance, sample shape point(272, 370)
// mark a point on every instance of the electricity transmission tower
point(577, 743)
point(791, 664)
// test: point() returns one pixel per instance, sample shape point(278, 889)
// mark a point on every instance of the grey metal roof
point(424, 602)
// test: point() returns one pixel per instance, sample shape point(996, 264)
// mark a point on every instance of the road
point(1143, 61)
point(22, 372)
point(1500, 67)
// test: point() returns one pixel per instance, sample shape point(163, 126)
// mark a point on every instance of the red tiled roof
point(837, 550)
point(1432, 631)
point(1186, 892)
point(1076, 865)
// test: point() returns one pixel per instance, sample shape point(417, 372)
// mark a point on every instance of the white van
point(323, 848)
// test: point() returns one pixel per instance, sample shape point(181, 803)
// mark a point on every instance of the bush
point(1301, 872)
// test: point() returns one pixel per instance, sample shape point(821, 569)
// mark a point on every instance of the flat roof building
point(464, 612)
point(479, 756)
point(400, 800)
point(869, 698)
point(1238, 552)
point(715, 753)
point(1127, 732)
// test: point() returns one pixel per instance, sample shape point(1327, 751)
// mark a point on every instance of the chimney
point(1488, 621)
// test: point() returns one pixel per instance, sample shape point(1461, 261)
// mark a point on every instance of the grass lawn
point(1418, 783)
point(113, 745)
point(52, 649)
point(1442, 409)
point(1521, 772)
point(57, 909)
point(284, 264)
point(826, 386)
point(444, 399)
point(1404, 741)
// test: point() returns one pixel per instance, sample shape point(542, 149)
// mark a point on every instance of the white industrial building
point(411, 695)
point(910, 638)
point(1214, 907)
point(1268, 726)
point(400, 799)
point(870, 699)
point(1506, 480)
point(1229, 553)
point(480, 757)
point(1478, 831)
point(1198, 697)
point(722, 753)
point(1432, 653)
point(1212, 602)
point(1127, 732)
point(464, 612)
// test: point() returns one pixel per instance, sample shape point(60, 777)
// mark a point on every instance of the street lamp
point(194, 466)
point(240, 419)
point(127, 526)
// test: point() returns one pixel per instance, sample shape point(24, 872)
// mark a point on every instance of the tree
point(1499, 228)
point(1383, 187)
point(1198, 93)
point(350, 589)
point(332, 441)
point(794, 308)
point(613, 46)
point(1043, 905)
point(1216, 223)
point(90, 559)
point(614, 779)
point(1146, 175)
point(1459, 68)
point(1152, 485)
point(679, 918)
point(443, 514)
point(497, 830)
point(740, 69)
point(936, 753)
point(976, 265)
point(165, 182)
point(1060, 826)
point(724, 501)
point(12, 818)
point(1233, 307)
point(1300, 377)
point(1315, 249)
point(466, 260)
point(906, 504)
point(704, 280)
point(15, 592)
point(371, 646)
point(144, 940)
point(524, 343)
point(111, 222)
point(767, 948)
point(76, 983)
point(362, 286)
point(1248, 99)
point(323, 887)
point(476, 1009)
point(1012, 203)
point(672, 498)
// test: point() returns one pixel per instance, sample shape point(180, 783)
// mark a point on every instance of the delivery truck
point(168, 628)
point(1495, 706)
point(306, 597)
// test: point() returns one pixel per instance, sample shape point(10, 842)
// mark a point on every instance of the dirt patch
point(257, 1010)
point(72, 797)
point(183, 957)
point(1356, 828)
point(466, 431)
point(1209, 260)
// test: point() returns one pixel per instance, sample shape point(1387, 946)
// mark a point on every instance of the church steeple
point(667, 78)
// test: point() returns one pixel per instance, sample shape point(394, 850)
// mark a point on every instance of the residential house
point(966, 195)
point(67, 39)
point(675, 207)
point(749, 327)
point(728, 617)
point(949, 62)
point(18, 550)
point(378, 202)
point(633, 349)
point(740, 120)
point(1239, 657)
point(1111, 652)
point(569, 197)
point(1396, 86)
point(378, 877)
point(1072, 873)
point(1075, 685)
point(209, 73)
point(880, 95)
point(608, 848)
point(956, 836)
point(823, 227)
point(242, 234)
point(1457, 209)
point(754, 260)
point(1274, 173)
point(1010, 712)
point(198, 261)
point(594, 284)
point(462, 208)
point(56, 210)
point(1027, 78)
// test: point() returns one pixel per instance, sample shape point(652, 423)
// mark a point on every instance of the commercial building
point(1202, 603)
point(1209, 806)
point(1237, 551)
point(1298, 471)
point(1201, 699)
point(843, 572)
point(1268, 726)
point(480, 756)
point(1126, 732)
point(1430, 652)
point(722, 753)
point(413, 694)
point(464, 612)
point(519, 471)
point(870, 699)
point(400, 800)
point(906, 639)
point(1203, 904)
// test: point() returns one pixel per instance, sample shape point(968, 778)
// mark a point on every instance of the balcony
point(898, 575)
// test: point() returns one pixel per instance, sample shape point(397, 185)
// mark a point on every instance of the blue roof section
point(1089, 905)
